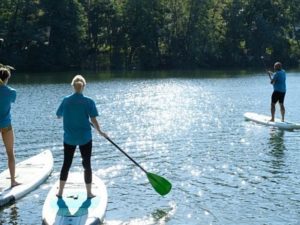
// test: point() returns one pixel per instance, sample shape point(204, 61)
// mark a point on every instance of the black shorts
point(278, 96)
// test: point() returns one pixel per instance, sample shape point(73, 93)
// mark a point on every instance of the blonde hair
point(4, 74)
point(78, 83)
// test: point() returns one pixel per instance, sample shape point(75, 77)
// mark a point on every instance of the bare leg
point(61, 188)
point(272, 112)
point(8, 140)
point(282, 110)
point(89, 191)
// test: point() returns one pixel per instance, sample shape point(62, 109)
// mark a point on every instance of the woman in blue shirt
point(279, 87)
point(77, 110)
point(7, 96)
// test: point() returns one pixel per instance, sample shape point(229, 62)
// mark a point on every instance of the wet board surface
point(74, 208)
point(30, 173)
point(265, 120)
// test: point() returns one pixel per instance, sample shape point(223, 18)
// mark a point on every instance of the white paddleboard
point(265, 120)
point(74, 208)
point(30, 173)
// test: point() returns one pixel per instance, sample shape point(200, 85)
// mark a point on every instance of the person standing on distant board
point(278, 79)
point(77, 110)
point(7, 96)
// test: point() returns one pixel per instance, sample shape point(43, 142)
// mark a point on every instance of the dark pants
point(86, 152)
point(278, 96)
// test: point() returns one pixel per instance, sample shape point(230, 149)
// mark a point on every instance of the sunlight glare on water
point(224, 170)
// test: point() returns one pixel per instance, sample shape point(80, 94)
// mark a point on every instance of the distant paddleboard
point(265, 120)
point(74, 208)
point(30, 173)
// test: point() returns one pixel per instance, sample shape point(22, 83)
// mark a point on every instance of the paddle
point(160, 184)
point(263, 60)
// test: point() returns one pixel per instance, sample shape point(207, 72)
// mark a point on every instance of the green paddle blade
point(160, 184)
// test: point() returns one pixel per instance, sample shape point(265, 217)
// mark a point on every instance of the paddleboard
point(265, 120)
point(30, 173)
point(74, 208)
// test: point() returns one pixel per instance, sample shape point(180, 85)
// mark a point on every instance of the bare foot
point(59, 196)
point(91, 195)
point(14, 184)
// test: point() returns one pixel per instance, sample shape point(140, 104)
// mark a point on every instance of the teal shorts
point(6, 129)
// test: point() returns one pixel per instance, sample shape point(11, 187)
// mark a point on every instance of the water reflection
point(63, 77)
point(183, 129)
point(13, 214)
point(276, 142)
point(278, 148)
point(9, 214)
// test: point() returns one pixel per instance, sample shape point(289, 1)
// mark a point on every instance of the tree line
point(39, 35)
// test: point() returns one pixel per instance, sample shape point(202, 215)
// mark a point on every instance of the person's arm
point(270, 73)
point(93, 113)
point(97, 126)
point(59, 112)
point(273, 80)
point(13, 95)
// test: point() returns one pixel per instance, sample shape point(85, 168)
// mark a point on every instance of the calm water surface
point(224, 170)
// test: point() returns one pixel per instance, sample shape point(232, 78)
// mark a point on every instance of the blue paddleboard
point(74, 208)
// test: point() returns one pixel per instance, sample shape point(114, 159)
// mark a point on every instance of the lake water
point(224, 170)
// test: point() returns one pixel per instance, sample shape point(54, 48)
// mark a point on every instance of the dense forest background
point(43, 35)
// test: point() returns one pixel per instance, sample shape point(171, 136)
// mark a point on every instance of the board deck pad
point(74, 208)
point(265, 120)
point(30, 173)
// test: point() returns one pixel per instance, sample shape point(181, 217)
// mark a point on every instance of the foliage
point(147, 34)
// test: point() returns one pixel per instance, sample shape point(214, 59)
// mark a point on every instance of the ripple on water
point(224, 170)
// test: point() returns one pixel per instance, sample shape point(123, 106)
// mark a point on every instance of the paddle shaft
point(263, 60)
point(114, 144)
point(160, 184)
point(107, 138)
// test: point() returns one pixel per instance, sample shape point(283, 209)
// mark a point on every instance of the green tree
point(104, 31)
point(194, 30)
point(206, 32)
point(173, 43)
point(143, 24)
point(234, 47)
point(67, 24)
point(293, 30)
point(21, 32)
point(147, 34)
point(261, 26)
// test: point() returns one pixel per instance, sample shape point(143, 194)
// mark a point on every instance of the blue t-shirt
point(279, 81)
point(76, 110)
point(7, 96)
